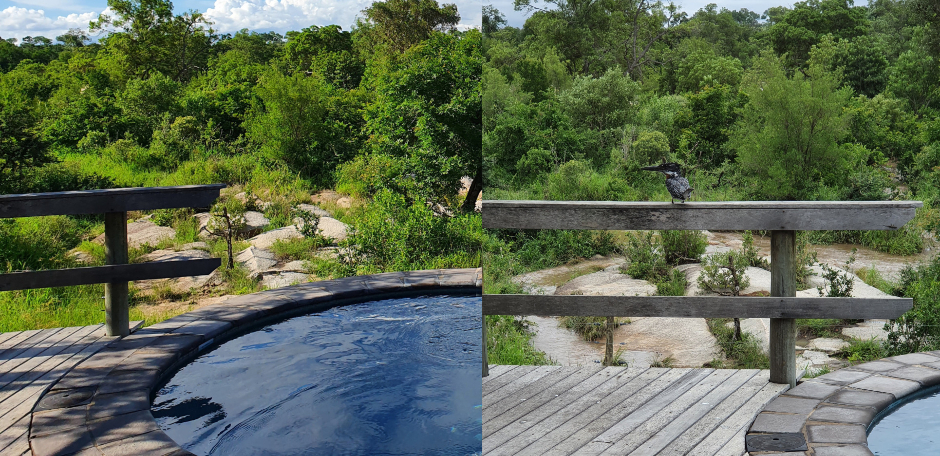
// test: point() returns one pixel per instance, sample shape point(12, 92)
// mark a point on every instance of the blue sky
point(49, 18)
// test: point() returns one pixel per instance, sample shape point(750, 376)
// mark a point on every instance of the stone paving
point(102, 406)
point(832, 412)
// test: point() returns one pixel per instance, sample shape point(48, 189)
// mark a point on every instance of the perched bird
point(677, 185)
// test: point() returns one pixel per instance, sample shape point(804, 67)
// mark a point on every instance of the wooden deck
point(555, 410)
point(31, 362)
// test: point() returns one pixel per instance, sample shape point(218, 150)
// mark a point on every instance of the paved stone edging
point(833, 411)
point(102, 406)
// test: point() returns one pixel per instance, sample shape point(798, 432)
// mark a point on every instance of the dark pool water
point(393, 377)
point(909, 429)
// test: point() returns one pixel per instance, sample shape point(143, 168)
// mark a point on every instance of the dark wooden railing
point(782, 218)
point(114, 203)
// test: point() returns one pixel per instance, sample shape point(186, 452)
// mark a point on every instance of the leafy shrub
point(576, 180)
point(750, 252)
point(508, 342)
point(590, 328)
point(743, 353)
point(683, 246)
point(919, 328)
point(861, 351)
point(674, 286)
point(647, 261)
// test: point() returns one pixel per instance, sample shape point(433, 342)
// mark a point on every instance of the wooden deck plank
point(620, 421)
point(506, 378)
point(708, 423)
point(14, 439)
point(37, 366)
point(732, 427)
point(6, 336)
point(569, 424)
point(599, 385)
point(495, 416)
point(496, 370)
point(508, 390)
point(680, 418)
point(636, 429)
point(12, 346)
point(33, 346)
point(22, 401)
point(35, 363)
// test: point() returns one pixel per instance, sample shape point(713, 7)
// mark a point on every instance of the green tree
point(787, 140)
point(327, 51)
point(402, 24)
point(428, 113)
point(810, 20)
point(146, 37)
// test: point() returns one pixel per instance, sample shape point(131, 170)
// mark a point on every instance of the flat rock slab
point(759, 280)
point(828, 345)
point(608, 282)
point(314, 210)
point(334, 229)
point(283, 279)
point(686, 340)
point(546, 281)
point(867, 330)
point(256, 260)
point(142, 232)
point(255, 222)
point(267, 239)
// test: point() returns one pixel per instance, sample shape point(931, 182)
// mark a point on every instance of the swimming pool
point(909, 427)
point(398, 376)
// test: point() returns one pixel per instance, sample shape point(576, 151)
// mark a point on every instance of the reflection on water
point(388, 377)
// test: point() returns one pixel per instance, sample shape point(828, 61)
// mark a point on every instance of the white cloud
point(18, 22)
point(284, 15)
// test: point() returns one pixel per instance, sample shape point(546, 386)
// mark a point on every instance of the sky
point(517, 18)
point(51, 18)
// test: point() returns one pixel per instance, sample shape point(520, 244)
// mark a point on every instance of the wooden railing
point(114, 203)
point(781, 218)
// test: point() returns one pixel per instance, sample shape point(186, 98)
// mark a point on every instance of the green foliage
point(601, 103)
point(743, 353)
point(750, 253)
point(589, 328)
point(787, 139)
point(508, 341)
point(298, 249)
point(809, 21)
point(861, 351)
point(919, 328)
point(723, 273)
point(675, 285)
point(647, 261)
point(872, 277)
point(706, 124)
point(805, 257)
point(819, 327)
point(683, 246)
point(402, 24)
point(393, 235)
point(650, 147)
point(838, 283)
point(578, 181)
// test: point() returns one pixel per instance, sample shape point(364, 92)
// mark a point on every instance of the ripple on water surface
point(910, 429)
point(392, 377)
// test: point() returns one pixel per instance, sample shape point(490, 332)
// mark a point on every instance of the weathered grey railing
point(782, 218)
point(114, 203)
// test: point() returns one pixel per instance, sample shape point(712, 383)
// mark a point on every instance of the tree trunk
point(737, 329)
point(476, 186)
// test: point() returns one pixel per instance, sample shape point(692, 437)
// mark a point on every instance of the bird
point(677, 185)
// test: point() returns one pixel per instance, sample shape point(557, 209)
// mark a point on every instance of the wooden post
point(783, 284)
point(486, 367)
point(115, 293)
point(609, 350)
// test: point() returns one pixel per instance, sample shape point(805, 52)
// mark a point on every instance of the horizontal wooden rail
point(733, 215)
point(110, 200)
point(695, 306)
point(105, 274)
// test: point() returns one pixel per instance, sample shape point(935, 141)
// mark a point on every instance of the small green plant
point(750, 252)
point(591, 328)
point(228, 219)
point(682, 246)
point(743, 353)
point(817, 372)
point(508, 341)
point(861, 350)
point(819, 327)
point(667, 362)
point(838, 282)
point(872, 277)
point(805, 258)
point(723, 273)
point(646, 259)
point(675, 286)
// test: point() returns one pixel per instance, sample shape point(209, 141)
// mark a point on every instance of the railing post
point(115, 293)
point(486, 367)
point(783, 284)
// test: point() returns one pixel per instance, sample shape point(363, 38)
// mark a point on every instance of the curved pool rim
point(102, 406)
point(834, 412)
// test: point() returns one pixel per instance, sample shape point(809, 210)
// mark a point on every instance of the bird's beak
point(652, 168)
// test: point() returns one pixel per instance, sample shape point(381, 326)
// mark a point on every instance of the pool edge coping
point(102, 405)
point(834, 411)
